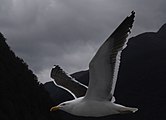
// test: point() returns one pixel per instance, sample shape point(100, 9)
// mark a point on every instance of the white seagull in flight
point(103, 70)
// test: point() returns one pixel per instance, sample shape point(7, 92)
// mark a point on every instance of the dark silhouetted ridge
point(57, 93)
point(162, 30)
point(22, 97)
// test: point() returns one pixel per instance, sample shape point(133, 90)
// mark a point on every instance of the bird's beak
point(55, 108)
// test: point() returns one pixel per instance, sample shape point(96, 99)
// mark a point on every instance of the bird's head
point(65, 106)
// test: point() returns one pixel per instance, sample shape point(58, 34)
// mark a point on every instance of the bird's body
point(84, 107)
point(103, 70)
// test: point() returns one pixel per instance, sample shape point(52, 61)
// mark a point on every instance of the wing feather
point(67, 82)
point(104, 66)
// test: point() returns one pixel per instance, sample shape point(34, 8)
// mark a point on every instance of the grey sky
point(68, 32)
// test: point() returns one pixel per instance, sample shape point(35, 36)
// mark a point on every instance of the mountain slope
point(22, 97)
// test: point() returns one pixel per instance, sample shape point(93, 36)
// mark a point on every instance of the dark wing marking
point(66, 81)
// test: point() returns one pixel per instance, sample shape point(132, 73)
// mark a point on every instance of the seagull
point(98, 100)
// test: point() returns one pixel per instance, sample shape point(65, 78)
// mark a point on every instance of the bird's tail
point(127, 110)
point(120, 109)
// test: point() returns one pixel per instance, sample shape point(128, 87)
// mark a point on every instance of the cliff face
point(22, 97)
point(142, 77)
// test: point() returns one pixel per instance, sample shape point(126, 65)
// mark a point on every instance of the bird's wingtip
point(132, 14)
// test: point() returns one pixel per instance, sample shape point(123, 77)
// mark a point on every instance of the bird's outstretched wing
point(104, 65)
point(64, 80)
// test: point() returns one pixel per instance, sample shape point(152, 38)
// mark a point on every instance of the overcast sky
point(68, 32)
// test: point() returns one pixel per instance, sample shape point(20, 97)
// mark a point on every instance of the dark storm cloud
point(68, 32)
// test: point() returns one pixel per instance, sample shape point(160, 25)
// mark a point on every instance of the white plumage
point(103, 71)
